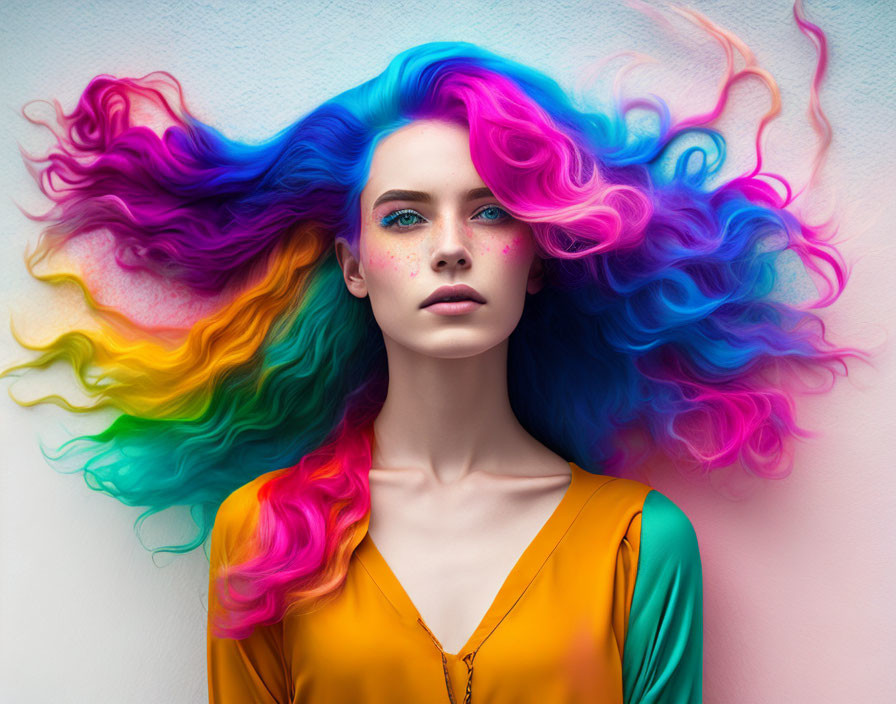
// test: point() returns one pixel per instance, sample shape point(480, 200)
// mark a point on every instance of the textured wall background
point(799, 577)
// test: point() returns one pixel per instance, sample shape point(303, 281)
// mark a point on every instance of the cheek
point(518, 250)
point(509, 250)
point(386, 261)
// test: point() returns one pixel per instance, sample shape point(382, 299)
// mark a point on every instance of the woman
point(416, 499)
point(458, 488)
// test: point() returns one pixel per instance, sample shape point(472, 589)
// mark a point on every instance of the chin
point(451, 344)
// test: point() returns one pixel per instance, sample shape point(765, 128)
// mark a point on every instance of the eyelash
point(389, 220)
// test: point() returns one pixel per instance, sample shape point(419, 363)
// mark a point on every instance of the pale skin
point(458, 487)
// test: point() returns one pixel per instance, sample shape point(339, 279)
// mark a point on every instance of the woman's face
point(428, 221)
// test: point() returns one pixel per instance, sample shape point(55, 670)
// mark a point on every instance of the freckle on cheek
point(514, 250)
point(414, 262)
point(375, 261)
point(384, 259)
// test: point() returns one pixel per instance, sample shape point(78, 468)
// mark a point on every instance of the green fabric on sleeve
point(663, 653)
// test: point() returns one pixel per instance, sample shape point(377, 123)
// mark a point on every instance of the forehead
point(429, 155)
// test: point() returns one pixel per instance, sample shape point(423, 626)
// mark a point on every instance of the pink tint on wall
point(144, 297)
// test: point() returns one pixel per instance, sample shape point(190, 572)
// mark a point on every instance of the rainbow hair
point(659, 316)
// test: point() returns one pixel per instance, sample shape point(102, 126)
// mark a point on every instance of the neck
point(449, 417)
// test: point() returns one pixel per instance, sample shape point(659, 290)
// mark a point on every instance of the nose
point(451, 245)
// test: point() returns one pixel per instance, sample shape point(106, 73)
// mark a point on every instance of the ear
point(536, 276)
point(352, 271)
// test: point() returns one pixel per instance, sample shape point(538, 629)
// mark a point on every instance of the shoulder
point(613, 507)
point(242, 501)
point(617, 495)
point(238, 512)
point(647, 503)
point(646, 516)
point(666, 519)
point(667, 535)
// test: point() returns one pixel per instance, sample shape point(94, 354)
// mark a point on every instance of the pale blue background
point(85, 616)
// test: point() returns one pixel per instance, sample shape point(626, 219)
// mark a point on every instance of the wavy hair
point(660, 316)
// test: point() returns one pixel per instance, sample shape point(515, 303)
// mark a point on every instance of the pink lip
point(458, 290)
point(453, 307)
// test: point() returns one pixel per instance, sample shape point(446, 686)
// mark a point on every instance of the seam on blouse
point(546, 558)
point(287, 674)
point(628, 612)
point(637, 570)
point(641, 536)
point(379, 588)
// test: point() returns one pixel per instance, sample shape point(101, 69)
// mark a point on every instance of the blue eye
point(493, 213)
point(403, 218)
point(407, 218)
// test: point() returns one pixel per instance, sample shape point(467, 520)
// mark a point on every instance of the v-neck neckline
point(582, 485)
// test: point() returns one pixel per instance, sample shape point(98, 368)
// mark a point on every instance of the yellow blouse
point(554, 633)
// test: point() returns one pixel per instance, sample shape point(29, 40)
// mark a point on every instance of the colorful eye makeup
point(407, 217)
point(403, 218)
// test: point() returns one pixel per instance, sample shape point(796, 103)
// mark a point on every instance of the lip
point(453, 307)
point(457, 290)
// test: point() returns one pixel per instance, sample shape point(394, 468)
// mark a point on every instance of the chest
point(452, 547)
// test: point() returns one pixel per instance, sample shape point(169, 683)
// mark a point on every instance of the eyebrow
point(423, 197)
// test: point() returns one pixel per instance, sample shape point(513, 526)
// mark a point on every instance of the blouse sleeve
point(253, 669)
point(663, 654)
